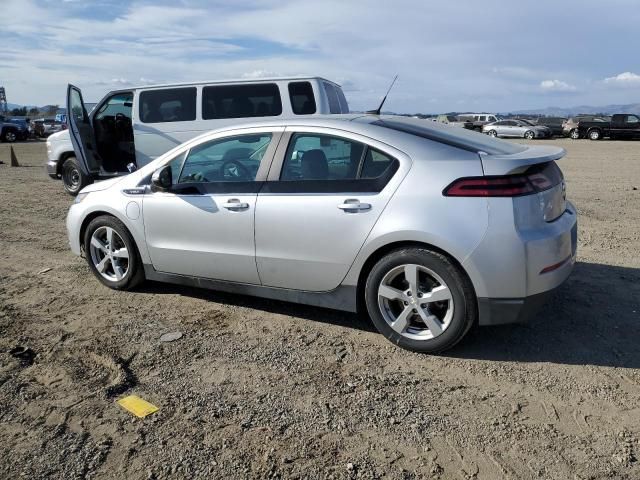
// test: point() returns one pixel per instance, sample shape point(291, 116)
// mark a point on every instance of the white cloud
point(556, 86)
point(626, 79)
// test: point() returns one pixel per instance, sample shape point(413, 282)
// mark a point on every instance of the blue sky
point(489, 55)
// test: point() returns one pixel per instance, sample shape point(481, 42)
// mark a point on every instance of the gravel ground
point(264, 389)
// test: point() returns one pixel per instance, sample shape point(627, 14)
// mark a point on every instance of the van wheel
point(73, 178)
point(574, 134)
point(595, 134)
point(112, 254)
point(419, 300)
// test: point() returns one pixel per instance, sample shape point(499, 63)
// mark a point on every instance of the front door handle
point(235, 205)
point(354, 205)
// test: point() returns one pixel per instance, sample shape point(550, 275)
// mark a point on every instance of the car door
point(204, 225)
point(81, 132)
point(325, 193)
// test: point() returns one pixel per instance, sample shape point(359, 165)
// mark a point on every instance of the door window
point(234, 159)
point(317, 163)
point(302, 100)
point(168, 105)
point(77, 109)
point(241, 101)
point(632, 119)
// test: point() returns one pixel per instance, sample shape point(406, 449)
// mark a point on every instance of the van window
point(332, 96)
point(168, 105)
point(240, 101)
point(302, 100)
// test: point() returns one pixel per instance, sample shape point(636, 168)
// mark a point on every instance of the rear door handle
point(234, 204)
point(354, 205)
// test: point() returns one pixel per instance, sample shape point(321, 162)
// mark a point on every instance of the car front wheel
point(10, 136)
point(492, 133)
point(112, 254)
point(595, 134)
point(574, 134)
point(420, 300)
point(529, 135)
point(73, 178)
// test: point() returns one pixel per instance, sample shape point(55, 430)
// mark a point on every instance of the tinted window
point(321, 157)
point(240, 101)
point(375, 164)
point(168, 105)
point(235, 159)
point(632, 119)
point(332, 96)
point(302, 100)
point(483, 118)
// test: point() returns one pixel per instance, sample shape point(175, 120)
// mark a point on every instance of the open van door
point(81, 132)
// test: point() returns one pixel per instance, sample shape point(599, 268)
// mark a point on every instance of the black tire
point(492, 133)
point(135, 272)
point(9, 136)
point(73, 178)
point(462, 294)
point(595, 134)
point(574, 134)
point(529, 135)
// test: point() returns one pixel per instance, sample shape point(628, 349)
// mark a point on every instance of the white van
point(128, 128)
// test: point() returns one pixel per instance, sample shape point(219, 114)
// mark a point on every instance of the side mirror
point(161, 180)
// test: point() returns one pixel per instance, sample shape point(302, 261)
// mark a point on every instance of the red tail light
point(536, 179)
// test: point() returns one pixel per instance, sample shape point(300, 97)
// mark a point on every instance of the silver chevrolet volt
point(426, 228)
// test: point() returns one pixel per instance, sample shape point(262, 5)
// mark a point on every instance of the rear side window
point(302, 99)
point(241, 101)
point(332, 96)
point(168, 105)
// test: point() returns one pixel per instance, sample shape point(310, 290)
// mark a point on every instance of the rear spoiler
point(519, 162)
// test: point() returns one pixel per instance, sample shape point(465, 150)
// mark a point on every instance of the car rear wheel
point(595, 134)
point(10, 136)
point(419, 300)
point(574, 134)
point(492, 133)
point(112, 254)
point(73, 178)
point(529, 135)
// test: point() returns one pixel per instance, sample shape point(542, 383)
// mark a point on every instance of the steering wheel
point(235, 170)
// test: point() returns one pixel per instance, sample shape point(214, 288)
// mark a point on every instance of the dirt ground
point(264, 389)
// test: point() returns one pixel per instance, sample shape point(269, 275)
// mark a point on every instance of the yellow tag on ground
point(136, 405)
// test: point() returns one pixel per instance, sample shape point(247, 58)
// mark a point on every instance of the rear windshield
point(456, 137)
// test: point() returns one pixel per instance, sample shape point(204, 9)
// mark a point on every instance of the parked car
point(330, 211)
point(622, 126)
point(516, 129)
point(555, 124)
point(454, 121)
point(570, 127)
point(24, 127)
point(44, 127)
point(479, 120)
point(129, 128)
point(13, 129)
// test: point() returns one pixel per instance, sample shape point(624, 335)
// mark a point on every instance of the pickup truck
point(10, 131)
point(622, 126)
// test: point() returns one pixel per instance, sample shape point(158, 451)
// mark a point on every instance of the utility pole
point(3, 101)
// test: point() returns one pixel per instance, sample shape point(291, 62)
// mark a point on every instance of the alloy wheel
point(415, 302)
point(493, 133)
point(109, 254)
point(529, 135)
point(575, 135)
point(10, 137)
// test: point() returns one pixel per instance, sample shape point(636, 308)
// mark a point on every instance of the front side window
point(234, 159)
point(168, 105)
point(241, 101)
point(119, 103)
point(302, 99)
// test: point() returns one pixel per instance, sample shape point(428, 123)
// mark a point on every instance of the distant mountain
point(566, 112)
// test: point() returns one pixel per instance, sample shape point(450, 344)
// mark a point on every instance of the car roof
point(229, 81)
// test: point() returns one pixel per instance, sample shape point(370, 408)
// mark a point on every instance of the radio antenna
point(379, 109)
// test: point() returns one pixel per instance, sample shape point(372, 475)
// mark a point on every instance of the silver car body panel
point(308, 250)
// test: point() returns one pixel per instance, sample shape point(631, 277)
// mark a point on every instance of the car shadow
point(592, 319)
